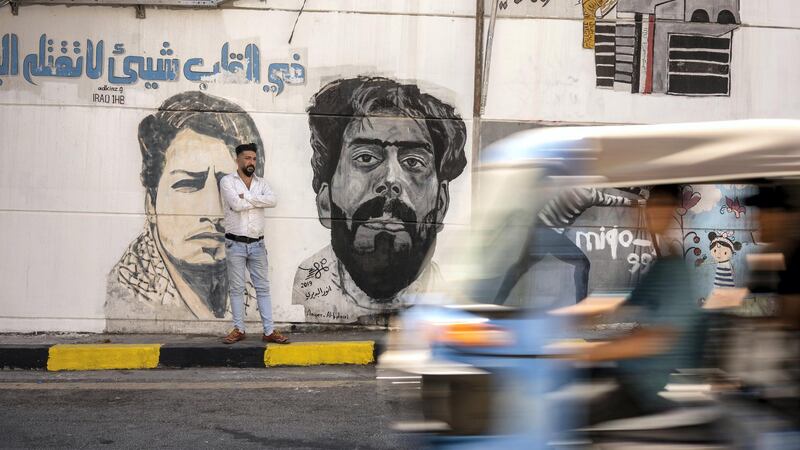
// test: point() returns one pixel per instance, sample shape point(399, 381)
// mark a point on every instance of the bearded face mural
point(384, 154)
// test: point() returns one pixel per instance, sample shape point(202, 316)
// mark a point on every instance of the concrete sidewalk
point(73, 351)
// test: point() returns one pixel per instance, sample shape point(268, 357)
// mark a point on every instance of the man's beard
point(249, 170)
point(387, 266)
point(208, 281)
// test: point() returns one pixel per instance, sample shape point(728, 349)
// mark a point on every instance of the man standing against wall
point(244, 197)
point(173, 275)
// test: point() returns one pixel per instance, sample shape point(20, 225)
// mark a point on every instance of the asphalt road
point(314, 408)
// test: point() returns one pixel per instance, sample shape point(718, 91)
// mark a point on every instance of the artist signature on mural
point(110, 95)
point(334, 315)
point(316, 269)
point(74, 60)
point(320, 292)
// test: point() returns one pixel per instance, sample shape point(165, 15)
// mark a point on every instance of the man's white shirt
point(244, 216)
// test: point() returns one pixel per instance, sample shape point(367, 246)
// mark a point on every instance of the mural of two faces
point(383, 155)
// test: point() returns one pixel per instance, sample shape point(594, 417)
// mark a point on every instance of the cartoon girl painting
point(723, 247)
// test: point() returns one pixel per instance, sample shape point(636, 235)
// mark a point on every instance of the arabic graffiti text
point(79, 59)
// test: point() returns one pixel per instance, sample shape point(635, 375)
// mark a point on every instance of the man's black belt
point(245, 239)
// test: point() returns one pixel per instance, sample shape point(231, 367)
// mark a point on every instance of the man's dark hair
point(251, 147)
point(666, 194)
point(339, 102)
point(782, 195)
point(201, 113)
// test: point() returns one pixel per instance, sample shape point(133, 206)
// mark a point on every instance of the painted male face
point(384, 197)
point(188, 208)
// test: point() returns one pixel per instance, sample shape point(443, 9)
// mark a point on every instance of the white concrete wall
point(71, 199)
point(540, 72)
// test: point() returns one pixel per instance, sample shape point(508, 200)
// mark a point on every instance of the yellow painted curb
point(313, 353)
point(103, 356)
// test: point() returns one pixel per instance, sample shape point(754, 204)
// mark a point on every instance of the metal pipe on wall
point(488, 59)
point(477, 95)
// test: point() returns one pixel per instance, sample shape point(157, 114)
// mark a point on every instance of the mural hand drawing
point(175, 269)
point(688, 244)
point(733, 206)
point(384, 154)
point(592, 10)
point(549, 238)
point(677, 47)
point(723, 247)
point(696, 215)
point(572, 231)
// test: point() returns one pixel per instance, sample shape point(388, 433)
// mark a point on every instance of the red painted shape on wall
point(648, 83)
